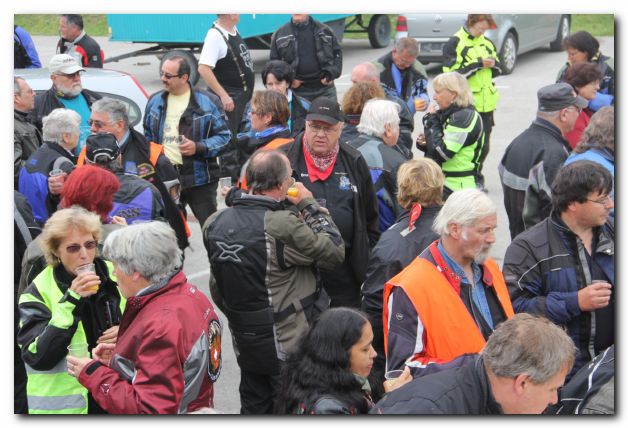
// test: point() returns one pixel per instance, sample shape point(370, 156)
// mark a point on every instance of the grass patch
point(96, 24)
point(48, 25)
point(597, 24)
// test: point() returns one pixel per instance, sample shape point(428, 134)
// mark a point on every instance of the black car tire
point(508, 54)
point(563, 31)
point(191, 59)
point(379, 31)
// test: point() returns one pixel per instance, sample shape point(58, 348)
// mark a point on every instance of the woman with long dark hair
point(327, 373)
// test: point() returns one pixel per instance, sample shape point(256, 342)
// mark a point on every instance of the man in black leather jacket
point(313, 51)
point(524, 380)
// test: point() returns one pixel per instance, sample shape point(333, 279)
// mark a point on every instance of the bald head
point(365, 72)
point(267, 170)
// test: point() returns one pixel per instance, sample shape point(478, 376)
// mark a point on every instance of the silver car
point(514, 35)
point(108, 83)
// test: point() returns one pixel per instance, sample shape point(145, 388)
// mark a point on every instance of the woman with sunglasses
point(90, 187)
point(268, 114)
point(66, 304)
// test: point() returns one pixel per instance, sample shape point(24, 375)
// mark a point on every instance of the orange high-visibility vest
point(449, 328)
point(155, 151)
point(271, 145)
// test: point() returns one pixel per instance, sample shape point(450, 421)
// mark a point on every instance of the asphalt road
point(514, 113)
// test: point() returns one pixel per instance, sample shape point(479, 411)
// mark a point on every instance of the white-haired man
point(449, 300)
point(67, 91)
point(379, 134)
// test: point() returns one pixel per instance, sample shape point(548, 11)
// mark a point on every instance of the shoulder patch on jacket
point(215, 351)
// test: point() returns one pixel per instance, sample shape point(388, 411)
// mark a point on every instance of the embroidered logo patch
point(215, 354)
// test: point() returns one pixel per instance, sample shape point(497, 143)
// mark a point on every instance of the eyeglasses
point(316, 128)
point(253, 112)
point(602, 201)
point(98, 124)
point(168, 76)
point(75, 248)
point(70, 76)
point(576, 108)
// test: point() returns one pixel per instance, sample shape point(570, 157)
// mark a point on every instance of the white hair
point(116, 109)
point(376, 114)
point(60, 121)
point(464, 207)
point(148, 248)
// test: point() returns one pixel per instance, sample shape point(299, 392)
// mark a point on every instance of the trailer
point(184, 34)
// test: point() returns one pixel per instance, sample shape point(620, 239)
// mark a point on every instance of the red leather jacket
point(167, 356)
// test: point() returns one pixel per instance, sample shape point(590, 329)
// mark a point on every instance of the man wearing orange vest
point(449, 300)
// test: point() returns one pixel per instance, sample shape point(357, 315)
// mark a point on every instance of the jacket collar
point(154, 290)
point(449, 274)
point(492, 406)
point(62, 151)
point(192, 105)
point(247, 200)
point(605, 244)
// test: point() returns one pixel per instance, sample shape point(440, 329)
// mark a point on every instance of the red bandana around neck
point(319, 167)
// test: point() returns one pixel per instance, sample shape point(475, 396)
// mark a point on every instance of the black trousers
point(311, 93)
point(258, 393)
point(202, 200)
point(232, 159)
point(341, 286)
point(488, 121)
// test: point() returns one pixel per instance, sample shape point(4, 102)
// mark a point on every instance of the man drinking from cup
point(552, 269)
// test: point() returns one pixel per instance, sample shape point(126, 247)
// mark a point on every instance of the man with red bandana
point(339, 178)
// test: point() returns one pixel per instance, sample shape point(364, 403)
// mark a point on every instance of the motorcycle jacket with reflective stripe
point(53, 317)
point(464, 53)
point(167, 356)
point(454, 139)
point(263, 260)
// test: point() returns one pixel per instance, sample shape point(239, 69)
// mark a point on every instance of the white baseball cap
point(64, 63)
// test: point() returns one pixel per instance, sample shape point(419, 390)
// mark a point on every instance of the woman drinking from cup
point(61, 308)
point(453, 134)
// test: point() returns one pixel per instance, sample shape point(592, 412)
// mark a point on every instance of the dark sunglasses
point(169, 76)
point(75, 248)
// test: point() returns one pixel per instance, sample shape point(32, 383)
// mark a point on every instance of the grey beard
point(71, 92)
point(482, 255)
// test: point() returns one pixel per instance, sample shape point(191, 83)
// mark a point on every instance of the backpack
point(20, 56)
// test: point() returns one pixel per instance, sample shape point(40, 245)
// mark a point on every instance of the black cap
point(559, 96)
point(326, 110)
point(101, 146)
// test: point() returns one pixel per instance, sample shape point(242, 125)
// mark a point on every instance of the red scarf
point(319, 167)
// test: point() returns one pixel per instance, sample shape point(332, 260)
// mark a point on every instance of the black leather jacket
point(283, 46)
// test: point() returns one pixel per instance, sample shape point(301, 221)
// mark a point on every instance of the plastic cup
point(78, 350)
point(224, 182)
point(393, 374)
point(419, 104)
point(89, 267)
point(293, 191)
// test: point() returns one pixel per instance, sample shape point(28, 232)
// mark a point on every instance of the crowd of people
point(355, 276)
